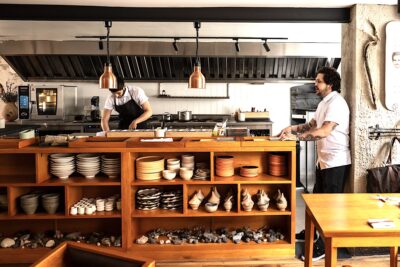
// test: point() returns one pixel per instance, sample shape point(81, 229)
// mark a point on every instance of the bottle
point(215, 131)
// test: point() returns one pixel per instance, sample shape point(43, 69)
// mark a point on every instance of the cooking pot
point(184, 115)
point(167, 116)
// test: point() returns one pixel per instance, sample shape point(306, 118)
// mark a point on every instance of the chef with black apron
point(132, 105)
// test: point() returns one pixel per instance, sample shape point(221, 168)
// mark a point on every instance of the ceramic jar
point(247, 202)
point(262, 200)
point(281, 201)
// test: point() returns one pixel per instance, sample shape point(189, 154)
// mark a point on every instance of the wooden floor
point(370, 261)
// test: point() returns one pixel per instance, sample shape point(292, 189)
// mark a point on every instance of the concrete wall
point(366, 153)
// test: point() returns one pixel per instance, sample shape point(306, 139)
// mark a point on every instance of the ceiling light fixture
point(107, 79)
point(197, 79)
point(101, 44)
point(266, 45)
point(237, 44)
point(175, 45)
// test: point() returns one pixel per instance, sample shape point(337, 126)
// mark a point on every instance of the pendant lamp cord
point(108, 26)
point(197, 26)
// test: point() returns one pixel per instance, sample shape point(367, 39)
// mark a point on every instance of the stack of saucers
point(148, 199)
point(50, 202)
point(202, 171)
point(29, 203)
point(171, 200)
point(62, 165)
point(88, 164)
point(111, 165)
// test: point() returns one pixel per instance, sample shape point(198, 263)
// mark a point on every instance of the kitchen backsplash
point(275, 97)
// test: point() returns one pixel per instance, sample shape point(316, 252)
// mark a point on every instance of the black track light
point(266, 46)
point(101, 47)
point(175, 45)
point(237, 44)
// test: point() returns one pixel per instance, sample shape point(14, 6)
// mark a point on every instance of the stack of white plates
point(62, 165)
point(88, 164)
point(111, 165)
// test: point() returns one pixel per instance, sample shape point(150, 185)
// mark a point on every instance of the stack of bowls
point(173, 164)
point(50, 202)
point(29, 203)
point(224, 166)
point(149, 168)
point(277, 164)
point(188, 161)
point(88, 164)
point(62, 165)
point(111, 165)
point(249, 171)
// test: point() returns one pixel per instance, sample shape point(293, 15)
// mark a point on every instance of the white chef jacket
point(333, 150)
point(134, 92)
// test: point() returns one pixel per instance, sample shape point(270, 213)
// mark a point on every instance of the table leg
point(393, 256)
point(330, 253)
point(309, 241)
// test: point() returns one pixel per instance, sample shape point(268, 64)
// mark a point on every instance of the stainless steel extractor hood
point(158, 61)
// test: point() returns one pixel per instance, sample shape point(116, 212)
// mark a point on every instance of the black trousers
point(331, 180)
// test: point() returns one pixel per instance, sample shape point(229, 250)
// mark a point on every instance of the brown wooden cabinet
point(27, 169)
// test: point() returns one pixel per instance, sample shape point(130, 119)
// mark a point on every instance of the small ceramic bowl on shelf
point(185, 173)
point(211, 207)
point(169, 174)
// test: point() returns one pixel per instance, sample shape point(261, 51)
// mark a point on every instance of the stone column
point(366, 153)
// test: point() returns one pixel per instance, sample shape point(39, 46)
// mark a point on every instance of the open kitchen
point(219, 165)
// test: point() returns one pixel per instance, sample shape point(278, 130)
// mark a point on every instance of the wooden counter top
point(179, 144)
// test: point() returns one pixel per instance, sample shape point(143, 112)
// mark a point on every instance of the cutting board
point(130, 134)
point(100, 142)
point(16, 143)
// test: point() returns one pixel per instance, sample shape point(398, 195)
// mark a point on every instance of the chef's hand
point(133, 125)
point(285, 132)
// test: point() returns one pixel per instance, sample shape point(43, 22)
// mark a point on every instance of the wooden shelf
point(6, 180)
point(260, 179)
point(82, 181)
point(176, 181)
point(27, 169)
point(97, 215)
point(272, 210)
point(36, 216)
point(156, 213)
point(21, 255)
point(201, 212)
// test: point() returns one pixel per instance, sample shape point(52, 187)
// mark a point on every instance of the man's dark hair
point(120, 83)
point(331, 77)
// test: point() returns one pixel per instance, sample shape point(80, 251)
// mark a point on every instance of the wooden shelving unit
point(132, 223)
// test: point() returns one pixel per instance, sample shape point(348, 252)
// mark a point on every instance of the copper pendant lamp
point(107, 79)
point(197, 79)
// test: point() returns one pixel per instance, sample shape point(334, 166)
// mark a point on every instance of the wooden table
point(341, 219)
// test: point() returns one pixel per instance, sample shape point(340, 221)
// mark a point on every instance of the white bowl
point(173, 161)
point(185, 173)
point(169, 174)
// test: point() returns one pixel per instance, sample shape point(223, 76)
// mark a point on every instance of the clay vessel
point(262, 200)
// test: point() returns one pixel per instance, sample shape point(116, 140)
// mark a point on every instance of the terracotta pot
point(10, 111)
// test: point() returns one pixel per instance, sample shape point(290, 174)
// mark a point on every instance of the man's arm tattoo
point(302, 128)
point(310, 137)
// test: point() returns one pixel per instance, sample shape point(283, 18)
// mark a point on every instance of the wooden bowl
point(249, 171)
